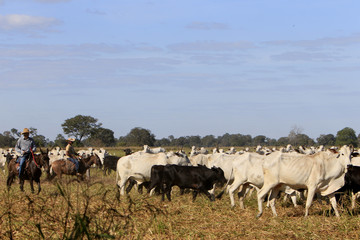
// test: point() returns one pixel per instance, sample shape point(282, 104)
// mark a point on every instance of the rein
point(32, 153)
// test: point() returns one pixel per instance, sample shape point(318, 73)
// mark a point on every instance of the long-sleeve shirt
point(23, 144)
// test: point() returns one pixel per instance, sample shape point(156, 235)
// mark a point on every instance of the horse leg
point(31, 186)
point(9, 180)
point(39, 186)
point(22, 184)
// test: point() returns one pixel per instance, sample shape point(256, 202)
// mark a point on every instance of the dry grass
point(90, 210)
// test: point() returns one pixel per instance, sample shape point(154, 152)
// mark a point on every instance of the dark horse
point(60, 167)
point(32, 171)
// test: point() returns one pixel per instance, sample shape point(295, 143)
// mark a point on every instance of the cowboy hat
point(71, 139)
point(26, 130)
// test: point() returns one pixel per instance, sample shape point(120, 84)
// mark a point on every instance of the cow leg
point(354, 196)
point(309, 199)
point(293, 198)
point(234, 186)
point(168, 192)
point(210, 196)
point(195, 192)
point(333, 204)
point(243, 192)
point(121, 185)
point(212, 191)
point(272, 199)
point(132, 182)
point(268, 199)
point(261, 195)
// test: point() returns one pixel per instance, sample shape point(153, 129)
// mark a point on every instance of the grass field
point(90, 210)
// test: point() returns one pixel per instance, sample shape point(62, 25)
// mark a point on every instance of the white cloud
point(25, 22)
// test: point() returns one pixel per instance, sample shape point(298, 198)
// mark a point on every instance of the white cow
point(147, 149)
point(3, 156)
point(307, 151)
point(243, 171)
point(195, 151)
point(138, 166)
point(231, 151)
point(102, 153)
point(56, 154)
point(322, 172)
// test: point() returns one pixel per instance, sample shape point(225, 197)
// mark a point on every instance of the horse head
point(97, 160)
point(44, 160)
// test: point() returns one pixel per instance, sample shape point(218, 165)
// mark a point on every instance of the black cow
point(352, 183)
point(199, 178)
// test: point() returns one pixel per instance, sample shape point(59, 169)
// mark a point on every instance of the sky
point(181, 68)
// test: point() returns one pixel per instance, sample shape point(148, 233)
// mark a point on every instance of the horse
point(31, 172)
point(62, 166)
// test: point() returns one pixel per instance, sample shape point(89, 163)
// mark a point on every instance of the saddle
point(71, 167)
point(26, 166)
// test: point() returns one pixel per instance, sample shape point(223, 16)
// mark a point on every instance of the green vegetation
point(90, 210)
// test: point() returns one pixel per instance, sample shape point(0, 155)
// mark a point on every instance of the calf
point(198, 178)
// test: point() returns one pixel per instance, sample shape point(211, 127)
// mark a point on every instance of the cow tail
point(219, 196)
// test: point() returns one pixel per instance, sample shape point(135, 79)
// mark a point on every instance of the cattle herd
point(310, 172)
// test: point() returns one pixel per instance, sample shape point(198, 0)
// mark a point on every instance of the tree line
point(89, 132)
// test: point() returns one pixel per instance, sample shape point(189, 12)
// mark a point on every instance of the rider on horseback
point(71, 154)
point(24, 145)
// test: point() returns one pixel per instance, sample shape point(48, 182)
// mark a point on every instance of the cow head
point(219, 173)
point(345, 153)
point(178, 158)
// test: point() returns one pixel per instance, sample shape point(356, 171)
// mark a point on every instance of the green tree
point(180, 142)
point(260, 140)
point(326, 140)
point(60, 141)
point(80, 126)
point(209, 141)
point(194, 141)
point(346, 136)
point(140, 136)
point(7, 140)
point(101, 137)
point(283, 141)
point(241, 140)
point(163, 142)
point(39, 140)
point(224, 140)
point(304, 140)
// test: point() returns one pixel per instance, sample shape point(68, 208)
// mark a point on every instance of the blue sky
point(181, 68)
